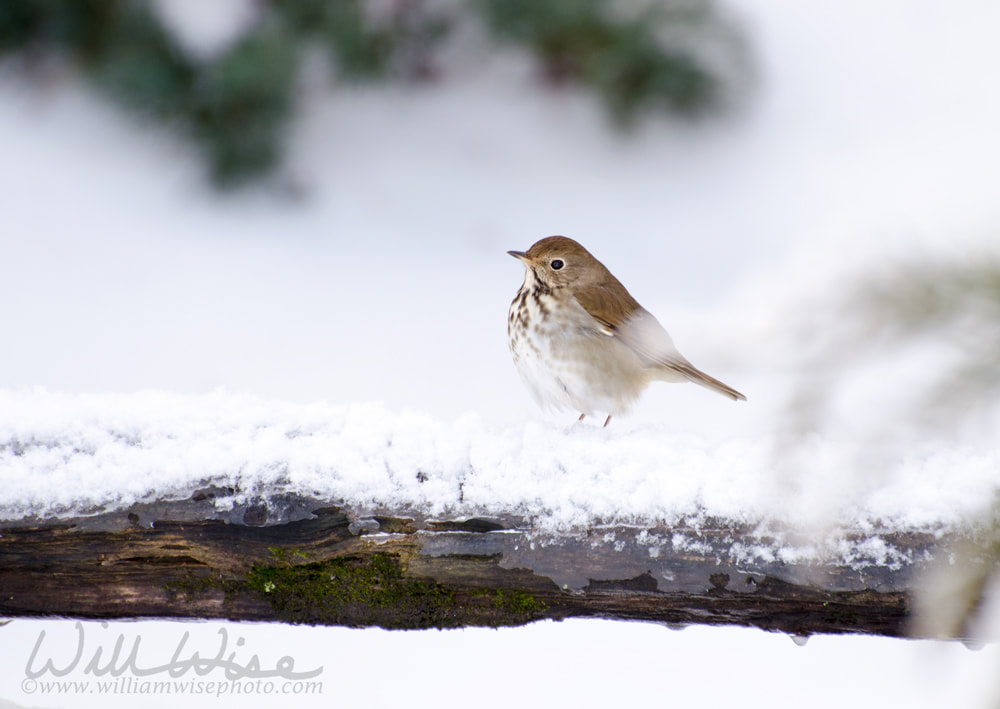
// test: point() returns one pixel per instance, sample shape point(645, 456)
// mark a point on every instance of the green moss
point(516, 601)
point(360, 591)
point(524, 602)
point(287, 555)
point(368, 590)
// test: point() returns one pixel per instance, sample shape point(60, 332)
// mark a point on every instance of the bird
point(580, 341)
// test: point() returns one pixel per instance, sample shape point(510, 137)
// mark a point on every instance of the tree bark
point(328, 565)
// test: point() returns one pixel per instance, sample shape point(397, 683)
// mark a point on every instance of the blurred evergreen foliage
point(620, 56)
point(922, 299)
point(237, 105)
point(943, 300)
point(951, 304)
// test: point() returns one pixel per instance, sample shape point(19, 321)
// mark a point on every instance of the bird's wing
point(636, 328)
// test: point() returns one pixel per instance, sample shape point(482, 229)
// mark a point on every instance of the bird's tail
point(693, 374)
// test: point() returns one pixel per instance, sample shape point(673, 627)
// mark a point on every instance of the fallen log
point(295, 560)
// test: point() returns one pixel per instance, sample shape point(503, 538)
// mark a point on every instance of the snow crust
point(72, 454)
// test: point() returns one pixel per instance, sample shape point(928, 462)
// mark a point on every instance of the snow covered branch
point(337, 568)
point(229, 507)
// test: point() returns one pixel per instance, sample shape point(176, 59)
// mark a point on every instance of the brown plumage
point(580, 340)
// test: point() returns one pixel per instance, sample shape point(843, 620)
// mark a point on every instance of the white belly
point(574, 366)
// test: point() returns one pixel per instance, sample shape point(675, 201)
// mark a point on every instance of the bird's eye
point(556, 264)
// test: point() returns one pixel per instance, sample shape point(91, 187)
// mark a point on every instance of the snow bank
point(77, 454)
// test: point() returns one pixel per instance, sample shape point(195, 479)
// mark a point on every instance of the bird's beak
point(520, 255)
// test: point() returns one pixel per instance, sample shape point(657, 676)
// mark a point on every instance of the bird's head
point(558, 261)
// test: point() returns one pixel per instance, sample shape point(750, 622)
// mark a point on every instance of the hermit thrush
point(580, 341)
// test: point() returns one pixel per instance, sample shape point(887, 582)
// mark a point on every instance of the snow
point(71, 454)
point(156, 339)
point(206, 30)
point(577, 662)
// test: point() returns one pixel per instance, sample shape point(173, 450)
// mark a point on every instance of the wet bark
point(333, 566)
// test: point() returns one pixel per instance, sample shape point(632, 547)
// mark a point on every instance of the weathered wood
point(328, 566)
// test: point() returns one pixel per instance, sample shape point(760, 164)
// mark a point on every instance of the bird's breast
point(567, 359)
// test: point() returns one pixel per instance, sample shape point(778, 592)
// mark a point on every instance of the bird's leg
point(607, 421)
point(581, 417)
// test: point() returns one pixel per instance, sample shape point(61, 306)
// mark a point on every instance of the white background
point(871, 135)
